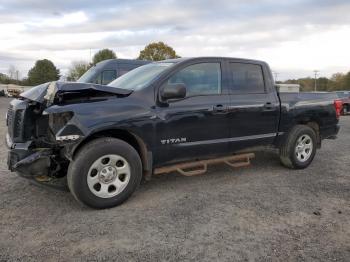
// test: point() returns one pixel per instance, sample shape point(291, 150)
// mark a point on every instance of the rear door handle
point(268, 106)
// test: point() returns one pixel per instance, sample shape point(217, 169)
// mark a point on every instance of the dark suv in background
point(106, 71)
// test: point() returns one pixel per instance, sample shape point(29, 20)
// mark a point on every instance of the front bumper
point(17, 152)
point(33, 165)
point(26, 161)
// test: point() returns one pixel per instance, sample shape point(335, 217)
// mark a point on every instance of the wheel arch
point(314, 124)
point(288, 148)
point(132, 139)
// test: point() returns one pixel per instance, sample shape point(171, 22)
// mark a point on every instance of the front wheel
point(104, 173)
point(299, 148)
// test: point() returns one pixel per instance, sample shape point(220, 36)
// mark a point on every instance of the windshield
point(140, 77)
point(86, 77)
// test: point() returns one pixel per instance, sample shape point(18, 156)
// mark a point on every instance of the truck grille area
point(16, 120)
point(9, 115)
point(17, 123)
point(9, 120)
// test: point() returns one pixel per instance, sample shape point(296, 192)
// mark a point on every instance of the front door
point(196, 126)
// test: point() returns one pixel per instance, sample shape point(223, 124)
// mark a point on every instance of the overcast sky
point(294, 37)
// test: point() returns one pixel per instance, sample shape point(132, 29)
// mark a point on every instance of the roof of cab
point(188, 59)
point(122, 61)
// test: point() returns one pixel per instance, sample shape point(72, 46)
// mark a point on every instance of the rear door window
point(247, 78)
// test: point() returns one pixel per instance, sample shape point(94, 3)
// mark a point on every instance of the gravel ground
point(263, 212)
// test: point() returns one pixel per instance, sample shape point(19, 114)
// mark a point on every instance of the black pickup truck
point(104, 138)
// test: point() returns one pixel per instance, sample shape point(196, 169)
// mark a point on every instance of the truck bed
point(295, 109)
point(309, 96)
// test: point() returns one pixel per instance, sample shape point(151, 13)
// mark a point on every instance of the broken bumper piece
point(35, 164)
point(36, 167)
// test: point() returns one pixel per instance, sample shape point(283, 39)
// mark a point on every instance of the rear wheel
point(104, 173)
point(299, 148)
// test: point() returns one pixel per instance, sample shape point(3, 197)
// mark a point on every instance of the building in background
point(289, 87)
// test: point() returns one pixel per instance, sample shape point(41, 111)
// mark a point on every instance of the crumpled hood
point(48, 91)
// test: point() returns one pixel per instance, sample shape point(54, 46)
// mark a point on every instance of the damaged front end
point(42, 125)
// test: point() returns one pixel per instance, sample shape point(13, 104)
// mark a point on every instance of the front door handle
point(219, 109)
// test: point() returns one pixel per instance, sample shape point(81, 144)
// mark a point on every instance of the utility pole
point(316, 73)
point(275, 74)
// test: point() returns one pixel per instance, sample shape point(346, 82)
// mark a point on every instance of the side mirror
point(173, 91)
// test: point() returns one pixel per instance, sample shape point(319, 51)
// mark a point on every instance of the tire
point(292, 150)
point(104, 173)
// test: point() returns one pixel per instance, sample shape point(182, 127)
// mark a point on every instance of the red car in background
point(344, 96)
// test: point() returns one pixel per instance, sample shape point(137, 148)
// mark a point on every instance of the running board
point(186, 169)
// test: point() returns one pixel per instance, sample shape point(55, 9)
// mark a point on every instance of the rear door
point(254, 108)
point(196, 126)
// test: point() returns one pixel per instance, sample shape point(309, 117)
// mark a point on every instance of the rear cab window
point(246, 78)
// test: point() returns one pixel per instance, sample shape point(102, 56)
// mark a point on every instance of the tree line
point(338, 81)
point(45, 71)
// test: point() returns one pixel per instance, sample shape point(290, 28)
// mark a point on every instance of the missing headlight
point(58, 120)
